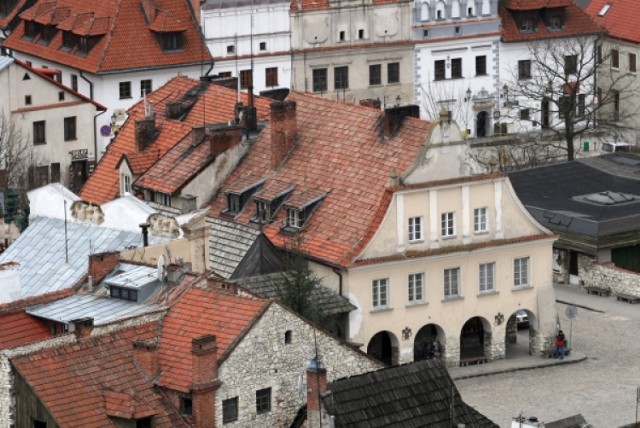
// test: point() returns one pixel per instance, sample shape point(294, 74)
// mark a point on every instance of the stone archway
point(475, 341)
point(520, 328)
point(424, 344)
point(383, 346)
point(482, 124)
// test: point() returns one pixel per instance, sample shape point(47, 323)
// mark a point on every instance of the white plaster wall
point(260, 64)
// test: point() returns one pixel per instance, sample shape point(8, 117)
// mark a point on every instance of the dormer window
point(527, 24)
point(31, 29)
point(555, 23)
point(269, 200)
point(123, 293)
point(300, 207)
point(263, 211)
point(237, 198)
point(69, 40)
point(294, 218)
point(171, 41)
point(47, 33)
point(6, 6)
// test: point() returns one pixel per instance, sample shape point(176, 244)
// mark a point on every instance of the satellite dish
point(162, 268)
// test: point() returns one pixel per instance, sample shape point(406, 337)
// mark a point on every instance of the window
point(570, 64)
point(224, 74)
point(123, 293)
point(61, 96)
point(375, 74)
point(287, 337)
point(425, 33)
point(230, 409)
point(58, 77)
point(632, 63)
point(448, 224)
point(125, 90)
point(294, 218)
point(555, 23)
point(456, 31)
point(416, 287)
point(263, 213)
point(481, 65)
point(145, 87)
point(271, 76)
point(521, 272)
point(27, 100)
point(487, 277)
point(582, 104)
point(566, 105)
point(415, 229)
point(438, 70)
point(125, 180)
point(615, 58)
point(480, 223)
point(393, 72)
point(163, 199)
point(263, 46)
point(451, 282)
point(599, 54)
point(263, 401)
point(233, 203)
point(341, 36)
point(246, 78)
point(186, 405)
point(143, 423)
point(616, 105)
point(379, 289)
point(231, 49)
point(74, 82)
point(524, 69)
point(39, 424)
point(171, 41)
point(527, 24)
point(319, 80)
point(39, 132)
point(341, 77)
point(361, 34)
point(31, 29)
point(69, 128)
point(456, 68)
point(525, 114)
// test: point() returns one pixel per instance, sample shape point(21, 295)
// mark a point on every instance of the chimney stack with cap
point(221, 140)
point(81, 327)
point(283, 130)
point(145, 353)
point(204, 380)
point(101, 264)
point(316, 386)
point(145, 129)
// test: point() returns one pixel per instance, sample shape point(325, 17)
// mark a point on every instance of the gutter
point(95, 118)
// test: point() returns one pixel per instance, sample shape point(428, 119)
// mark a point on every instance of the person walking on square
point(560, 345)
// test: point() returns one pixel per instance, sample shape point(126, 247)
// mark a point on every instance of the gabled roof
point(575, 21)
point(125, 41)
point(207, 104)
point(203, 311)
point(79, 383)
point(616, 18)
point(19, 329)
point(339, 149)
point(413, 395)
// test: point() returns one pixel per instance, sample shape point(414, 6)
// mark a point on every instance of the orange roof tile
point(19, 329)
point(118, 26)
point(81, 382)
point(213, 104)
point(203, 311)
point(616, 19)
point(576, 21)
point(340, 149)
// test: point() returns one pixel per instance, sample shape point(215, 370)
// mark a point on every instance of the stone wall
point(615, 279)
point(264, 359)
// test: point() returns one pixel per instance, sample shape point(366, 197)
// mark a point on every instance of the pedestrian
point(560, 345)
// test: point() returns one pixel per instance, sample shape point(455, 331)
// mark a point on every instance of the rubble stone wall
point(610, 277)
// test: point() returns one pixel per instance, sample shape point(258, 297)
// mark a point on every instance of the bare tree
point(559, 88)
point(447, 95)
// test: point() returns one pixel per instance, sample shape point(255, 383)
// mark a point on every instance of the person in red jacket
point(560, 345)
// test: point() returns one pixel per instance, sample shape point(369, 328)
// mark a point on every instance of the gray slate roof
point(549, 194)
point(412, 395)
point(268, 286)
point(228, 244)
point(40, 251)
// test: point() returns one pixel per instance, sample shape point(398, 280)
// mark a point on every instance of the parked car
point(522, 319)
point(615, 146)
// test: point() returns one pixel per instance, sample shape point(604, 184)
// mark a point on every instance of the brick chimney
point(174, 109)
point(221, 140)
point(316, 386)
point(204, 380)
point(81, 327)
point(394, 116)
point(283, 130)
point(145, 353)
point(101, 264)
point(145, 129)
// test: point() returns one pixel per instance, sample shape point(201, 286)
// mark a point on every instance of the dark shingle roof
point(576, 421)
point(412, 395)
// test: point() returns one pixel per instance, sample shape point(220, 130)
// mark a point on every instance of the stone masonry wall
point(263, 360)
point(615, 279)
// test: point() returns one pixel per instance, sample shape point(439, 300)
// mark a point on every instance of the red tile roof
point(203, 311)
point(617, 19)
point(576, 21)
point(19, 329)
point(340, 149)
point(81, 382)
point(125, 41)
point(213, 104)
point(5, 21)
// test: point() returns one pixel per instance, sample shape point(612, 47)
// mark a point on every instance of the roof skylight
point(604, 9)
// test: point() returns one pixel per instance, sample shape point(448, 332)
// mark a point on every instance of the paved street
point(602, 387)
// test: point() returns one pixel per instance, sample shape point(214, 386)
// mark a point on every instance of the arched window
point(471, 9)
point(455, 9)
point(440, 12)
point(486, 7)
point(424, 11)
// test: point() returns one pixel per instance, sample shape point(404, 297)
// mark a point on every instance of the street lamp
point(468, 92)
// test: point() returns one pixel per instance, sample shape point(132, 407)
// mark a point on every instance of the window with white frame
point(451, 282)
point(415, 229)
point(293, 218)
point(380, 289)
point(126, 183)
point(416, 287)
point(480, 223)
point(487, 281)
point(448, 224)
point(521, 272)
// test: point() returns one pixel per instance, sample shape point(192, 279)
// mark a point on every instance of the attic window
point(608, 198)
point(186, 406)
point(171, 41)
point(266, 207)
point(69, 40)
point(31, 29)
point(47, 33)
point(527, 24)
point(236, 201)
point(123, 293)
point(287, 337)
point(6, 6)
point(604, 9)
point(263, 211)
point(298, 214)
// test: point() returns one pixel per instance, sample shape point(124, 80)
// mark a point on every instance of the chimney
point(316, 386)
point(145, 353)
point(81, 327)
point(283, 130)
point(394, 116)
point(175, 271)
point(370, 102)
point(101, 264)
point(222, 139)
point(204, 380)
point(145, 130)
point(145, 234)
point(197, 135)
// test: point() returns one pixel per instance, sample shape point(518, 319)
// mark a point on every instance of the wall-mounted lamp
point(468, 93)
point(398, 99)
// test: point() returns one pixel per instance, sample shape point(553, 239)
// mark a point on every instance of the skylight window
point(608, 198)
point(604, 9)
